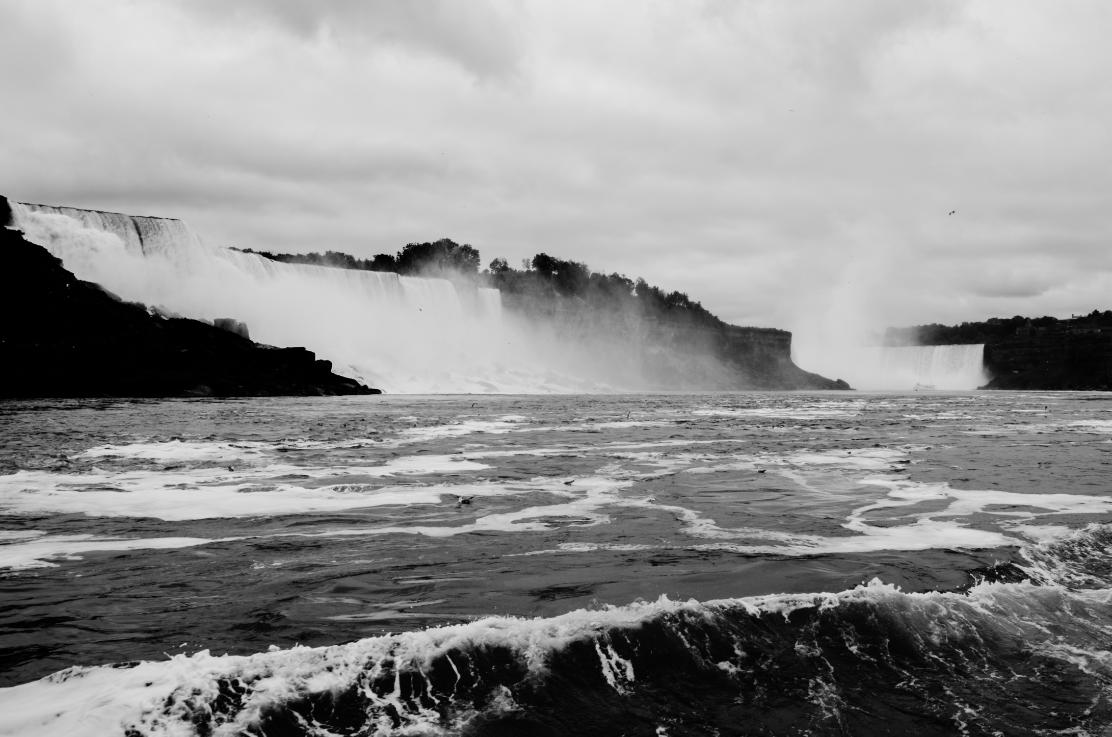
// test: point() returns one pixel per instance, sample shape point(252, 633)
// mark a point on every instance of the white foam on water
point(181, 451)
point(834, 476)
point(176, 505)
point(615, 425)
point(858, 459)
point(41, 550)
point(911, 528)
point(1093, 426)
point(591, 547)
point(595, 449)
point(1043, 533)
point(586, 506)
point(924, 535)
point(662, 463)
point(855, 459)
point(207, 493)
point(592, 501)
point(968, 502)
point(421, 464)
point(838, 410)
point(458, 429)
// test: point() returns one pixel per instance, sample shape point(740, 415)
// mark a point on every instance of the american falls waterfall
point(396, 333)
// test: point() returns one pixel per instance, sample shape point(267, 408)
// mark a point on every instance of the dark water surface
point(597, 565)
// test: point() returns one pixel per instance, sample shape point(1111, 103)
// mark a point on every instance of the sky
point(810, 165)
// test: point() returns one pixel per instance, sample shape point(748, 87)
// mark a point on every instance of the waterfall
point(903, 368)
point(398, 333)
point(933, 366)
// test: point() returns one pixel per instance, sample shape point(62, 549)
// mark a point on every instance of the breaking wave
point(1020, 651)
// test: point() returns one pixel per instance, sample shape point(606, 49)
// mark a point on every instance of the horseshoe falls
point(926, 367)
point(901, 368)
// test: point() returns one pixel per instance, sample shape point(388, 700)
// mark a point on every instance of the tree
point(441, 256)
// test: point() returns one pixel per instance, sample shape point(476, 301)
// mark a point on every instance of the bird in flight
point(951, 212)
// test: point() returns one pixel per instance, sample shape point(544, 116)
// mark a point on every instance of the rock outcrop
point(232, 326)
point(765, 356)
point(63, 337)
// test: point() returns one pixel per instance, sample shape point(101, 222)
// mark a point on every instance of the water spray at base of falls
point(906, 368)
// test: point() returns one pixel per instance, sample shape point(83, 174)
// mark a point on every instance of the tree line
point(995, 328)
point(442, 256)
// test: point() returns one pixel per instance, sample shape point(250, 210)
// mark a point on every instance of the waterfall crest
point(140, 235)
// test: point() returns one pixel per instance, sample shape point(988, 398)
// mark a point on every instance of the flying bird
point(951, 212)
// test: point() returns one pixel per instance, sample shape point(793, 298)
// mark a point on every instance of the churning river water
point(725, 564)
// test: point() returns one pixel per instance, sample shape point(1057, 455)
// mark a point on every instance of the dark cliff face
point(63, 337)
point(1057, 359)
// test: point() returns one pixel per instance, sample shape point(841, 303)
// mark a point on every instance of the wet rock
point(232, 326)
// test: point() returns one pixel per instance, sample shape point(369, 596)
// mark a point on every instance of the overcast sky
point(790, 164)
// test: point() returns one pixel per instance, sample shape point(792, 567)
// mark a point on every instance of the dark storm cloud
point(790, 164)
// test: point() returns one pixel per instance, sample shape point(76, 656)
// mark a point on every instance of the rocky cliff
point(63, 337)
point(765, 354)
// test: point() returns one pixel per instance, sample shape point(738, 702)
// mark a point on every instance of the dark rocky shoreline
point(63, 337)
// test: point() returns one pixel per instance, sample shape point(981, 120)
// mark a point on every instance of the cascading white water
point(952, 367)
point(140, 235)
point(934, 366)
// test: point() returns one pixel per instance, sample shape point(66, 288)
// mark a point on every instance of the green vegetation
point(548, 278)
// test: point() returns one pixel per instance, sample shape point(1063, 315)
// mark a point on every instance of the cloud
point(478, 36)
point(787, 164)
